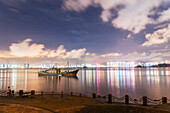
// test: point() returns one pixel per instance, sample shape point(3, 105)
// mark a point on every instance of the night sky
point(84, 31)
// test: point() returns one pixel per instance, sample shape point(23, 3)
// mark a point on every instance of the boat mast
point(68, 65)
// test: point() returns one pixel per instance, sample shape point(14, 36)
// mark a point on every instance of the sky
point(84, 31)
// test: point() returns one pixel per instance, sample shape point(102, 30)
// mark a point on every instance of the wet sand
point(71, 104)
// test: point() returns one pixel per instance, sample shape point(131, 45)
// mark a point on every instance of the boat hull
point(47, 74)
point(70, 74)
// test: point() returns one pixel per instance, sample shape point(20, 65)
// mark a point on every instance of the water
point(151, 82)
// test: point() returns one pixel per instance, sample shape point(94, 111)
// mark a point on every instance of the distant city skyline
point(84, 31)
point(96, 65)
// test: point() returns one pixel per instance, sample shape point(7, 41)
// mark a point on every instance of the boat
point(50, 72)
point(57, 72)
point(70, 74)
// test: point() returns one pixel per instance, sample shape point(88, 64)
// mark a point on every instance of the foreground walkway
point(71, 104)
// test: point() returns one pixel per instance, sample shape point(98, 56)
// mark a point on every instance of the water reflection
point(153, 82)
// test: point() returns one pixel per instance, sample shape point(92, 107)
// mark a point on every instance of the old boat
point(70, 74)
point(49, 72)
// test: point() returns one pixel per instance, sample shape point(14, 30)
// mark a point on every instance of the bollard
point(80, 94)
point(61, 94)
point(145, 100)
point(164, 100)
point(41, 93)
point(21, 92)
point(52, 92)
point(109, 98)
point(71, 93)
point(93, 95)
point(32, 92)
point(126, 99)
point(12, 92)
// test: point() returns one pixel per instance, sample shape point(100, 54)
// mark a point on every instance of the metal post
point(61, 94)
point(12, 92)
point(164, 100)
point(41, 93)
point(93, 95)
point(109, 98)
point(21, 92)
point(145, 100)
point(126, 99)
point(32, 92)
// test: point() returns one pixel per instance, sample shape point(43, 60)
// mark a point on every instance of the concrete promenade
point(55, 103)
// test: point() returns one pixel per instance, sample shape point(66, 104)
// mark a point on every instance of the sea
point(135, 82)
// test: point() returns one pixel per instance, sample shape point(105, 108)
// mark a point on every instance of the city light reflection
point(118, 81)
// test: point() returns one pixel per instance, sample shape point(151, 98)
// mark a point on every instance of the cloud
point(132, 16)
point(37, 52)
point(76, 54)
point(158, 37)
point(77, 5)
point(161, 50)
point(24, 49)
point(143, 56)
point(106, 15)
point(90, 54)
point(5, 54)
point(130, 57)
point(56, 53)
point(161, 26)
point(134, 56)
point(62, 53)
point(129, 36)
point(111, 55)
point(164, 16)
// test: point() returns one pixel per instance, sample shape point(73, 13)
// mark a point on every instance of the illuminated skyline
point(84, 31)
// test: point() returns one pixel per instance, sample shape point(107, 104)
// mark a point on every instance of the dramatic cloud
point(62, 53)
point(158, 37)
point(56, 53)
point(25, 49)
point(133, 15)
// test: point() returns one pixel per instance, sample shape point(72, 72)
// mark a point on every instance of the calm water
point(151, 82)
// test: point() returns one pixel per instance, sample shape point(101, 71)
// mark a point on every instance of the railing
point(105, 99)
point(129, 100)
